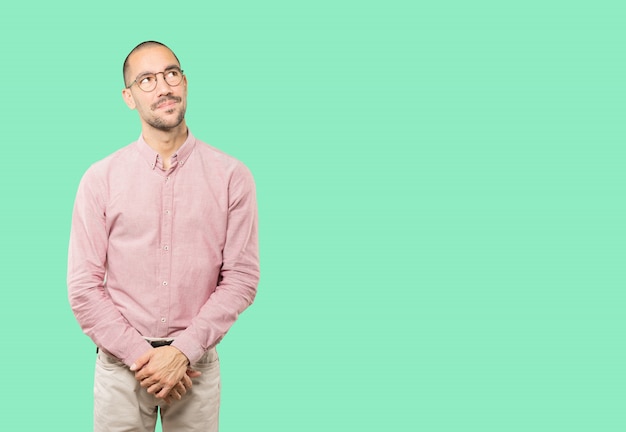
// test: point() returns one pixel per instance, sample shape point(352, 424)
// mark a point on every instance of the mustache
point(165, 99)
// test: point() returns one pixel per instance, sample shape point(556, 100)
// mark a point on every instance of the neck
point(165, 143)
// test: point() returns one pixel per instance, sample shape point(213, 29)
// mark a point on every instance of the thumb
point(141, 361)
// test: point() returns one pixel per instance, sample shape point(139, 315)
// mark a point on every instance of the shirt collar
point(181, 155)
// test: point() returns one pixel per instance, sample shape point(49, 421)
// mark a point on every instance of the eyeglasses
point(148, 82)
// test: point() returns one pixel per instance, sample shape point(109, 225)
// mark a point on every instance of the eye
point(146, 79)
point(173, 73)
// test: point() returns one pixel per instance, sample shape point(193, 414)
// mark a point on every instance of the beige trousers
point(122, 405)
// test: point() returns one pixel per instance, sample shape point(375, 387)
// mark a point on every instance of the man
point(163, 258)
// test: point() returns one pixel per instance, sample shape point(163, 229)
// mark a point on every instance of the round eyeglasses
point(148, 81)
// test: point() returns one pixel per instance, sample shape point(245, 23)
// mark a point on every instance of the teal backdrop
point(441, 194)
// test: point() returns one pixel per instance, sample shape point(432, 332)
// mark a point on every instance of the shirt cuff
point(135, 353)
point(190, 348)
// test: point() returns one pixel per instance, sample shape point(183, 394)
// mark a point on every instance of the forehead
point(153, 58)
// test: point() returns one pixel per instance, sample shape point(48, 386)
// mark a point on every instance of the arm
point(94, 310)
point(239, 274)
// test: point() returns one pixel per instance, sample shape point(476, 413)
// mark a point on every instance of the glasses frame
point(182, 75)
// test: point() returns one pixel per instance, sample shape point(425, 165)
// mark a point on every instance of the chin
point(163, 125)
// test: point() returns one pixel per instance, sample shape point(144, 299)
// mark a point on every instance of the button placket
point(165, 264)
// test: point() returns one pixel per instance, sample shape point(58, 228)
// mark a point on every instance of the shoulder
point(118, 160)
point(218, 159)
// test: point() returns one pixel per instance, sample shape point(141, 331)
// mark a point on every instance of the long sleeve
point(239, 274)
point(95, 311)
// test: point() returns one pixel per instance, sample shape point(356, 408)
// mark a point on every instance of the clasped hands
point(164, 372)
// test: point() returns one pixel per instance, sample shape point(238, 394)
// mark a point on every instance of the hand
point(182, 386)
point(176, 393)
point(163, 370)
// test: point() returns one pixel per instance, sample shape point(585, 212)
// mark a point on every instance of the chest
point(193, 202)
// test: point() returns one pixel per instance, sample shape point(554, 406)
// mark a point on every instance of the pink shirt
point(163, 254)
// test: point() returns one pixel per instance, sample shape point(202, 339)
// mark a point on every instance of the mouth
point(166, 106)
point(166, 103)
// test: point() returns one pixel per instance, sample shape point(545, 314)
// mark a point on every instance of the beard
point(167, 124)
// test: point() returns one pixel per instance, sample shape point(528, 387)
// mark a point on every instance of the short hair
point(142, 45)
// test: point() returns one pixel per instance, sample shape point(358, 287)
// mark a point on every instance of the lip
point(166, 104)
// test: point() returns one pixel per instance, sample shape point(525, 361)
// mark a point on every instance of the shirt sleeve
point(239, 275)
point(86, 274)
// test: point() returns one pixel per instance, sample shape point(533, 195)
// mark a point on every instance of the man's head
point(155, 86)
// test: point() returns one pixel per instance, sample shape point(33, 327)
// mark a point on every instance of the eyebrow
point(170, 67)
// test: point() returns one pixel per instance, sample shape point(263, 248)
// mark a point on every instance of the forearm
point(217, 316)
point(102, 322)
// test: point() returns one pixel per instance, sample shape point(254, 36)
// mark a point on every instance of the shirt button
point(163, 319)
point(167, 212)
point(166, 247)
point(164, 283)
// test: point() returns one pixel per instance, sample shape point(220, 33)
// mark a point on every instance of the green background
point(441, 194)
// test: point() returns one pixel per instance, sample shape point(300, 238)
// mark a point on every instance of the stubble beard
point(165, 125)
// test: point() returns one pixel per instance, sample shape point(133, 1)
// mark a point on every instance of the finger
point(180, 389)
point(172, 396)
point(143, 373)
point(155, 389)
point(163, 392)
point(176, 393)
point(147, 382)
point(186, 382)
point(141, 361)
point(193, 373)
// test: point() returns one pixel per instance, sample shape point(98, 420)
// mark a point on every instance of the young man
point(163, 258)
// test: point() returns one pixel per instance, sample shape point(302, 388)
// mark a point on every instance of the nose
point(162, 86)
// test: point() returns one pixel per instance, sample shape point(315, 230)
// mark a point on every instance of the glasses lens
point(147, 82)
point(173, 76)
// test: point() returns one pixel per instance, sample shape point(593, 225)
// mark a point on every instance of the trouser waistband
point(155, 342)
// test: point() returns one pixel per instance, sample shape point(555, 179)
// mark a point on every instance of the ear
point(128, 98)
